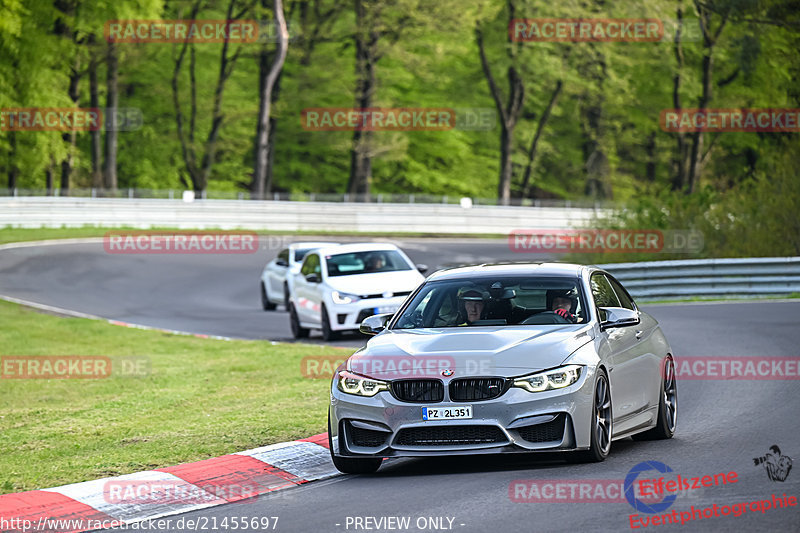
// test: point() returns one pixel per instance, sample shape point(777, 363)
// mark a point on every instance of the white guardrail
point(285, 215)
point(760, 276)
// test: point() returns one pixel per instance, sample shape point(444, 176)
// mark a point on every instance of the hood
point(377, 282)
point(469, 351)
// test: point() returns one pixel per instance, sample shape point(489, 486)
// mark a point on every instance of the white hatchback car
point(275, 277)
point(338, 287)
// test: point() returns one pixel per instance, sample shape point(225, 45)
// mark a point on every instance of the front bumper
point(517, 421)
point(349, 316)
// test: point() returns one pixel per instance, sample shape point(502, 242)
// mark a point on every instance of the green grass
point(8, 234)
point(201, 398)
point(717, 299)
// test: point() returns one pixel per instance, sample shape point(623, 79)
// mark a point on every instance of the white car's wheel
point(265, 303)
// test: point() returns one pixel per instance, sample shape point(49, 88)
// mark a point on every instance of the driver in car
point(563, 304)
point(474, 303)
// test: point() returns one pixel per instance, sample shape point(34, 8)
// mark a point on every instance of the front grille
point(476, 389)
point(446, 435)
point(418, 390)
point(401, 293)
point(552, 431)
point(367, 437)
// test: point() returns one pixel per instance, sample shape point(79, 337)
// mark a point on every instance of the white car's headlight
point(342, 298)
point(557, 378)
point(360, 386)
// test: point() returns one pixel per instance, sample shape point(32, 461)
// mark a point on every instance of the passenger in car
point(562, 303)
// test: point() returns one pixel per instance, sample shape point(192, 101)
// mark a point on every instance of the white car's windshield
point(366, 262)
point(495, 302)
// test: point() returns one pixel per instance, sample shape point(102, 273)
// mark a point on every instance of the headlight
point(343, 298)
point(360, 386)
point(550, 379)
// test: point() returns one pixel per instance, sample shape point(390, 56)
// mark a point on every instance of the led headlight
point(360, 386)
point(557, 378)
point(342, 298)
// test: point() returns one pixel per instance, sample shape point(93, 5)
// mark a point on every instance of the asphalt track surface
point(215, 294)
point(722, 424)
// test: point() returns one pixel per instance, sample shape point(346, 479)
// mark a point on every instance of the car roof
point(509, 269)
point(357, 247)
point(320, 244)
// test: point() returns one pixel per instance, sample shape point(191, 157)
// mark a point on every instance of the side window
point(624, 300)
point(602, 292)
point(310, 265)
point(316, 265)
point(284, 255)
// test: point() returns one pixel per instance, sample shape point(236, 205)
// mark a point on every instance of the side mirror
point(372, 325)
point(422, 268)
point(281, 262)
point(617, 317)
point(312, 278)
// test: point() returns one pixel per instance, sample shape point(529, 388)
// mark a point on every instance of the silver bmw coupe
point(504, 358)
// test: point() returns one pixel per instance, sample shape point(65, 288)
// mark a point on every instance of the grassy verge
point(704, 300)
point(200, 398)
point(8, 235)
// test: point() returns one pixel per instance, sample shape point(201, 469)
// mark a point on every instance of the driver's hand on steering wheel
point(566, 315)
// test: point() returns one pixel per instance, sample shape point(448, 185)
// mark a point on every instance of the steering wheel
point(545, 317)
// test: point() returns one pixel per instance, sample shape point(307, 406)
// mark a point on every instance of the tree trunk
point(509, 114)
point(13, 170)
point(361, 149)
point(70, 137)
point(680, 161)
point(267, 82)
point(112, 87)
point(48, 175)
point(709, 41)
point(534, 144)
point(94, 102)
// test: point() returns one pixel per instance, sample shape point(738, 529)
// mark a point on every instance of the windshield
point(497, 301)
point(366, 262)
point(299, 254)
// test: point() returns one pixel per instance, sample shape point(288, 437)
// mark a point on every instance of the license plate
point(446, 413)
point(386, 309)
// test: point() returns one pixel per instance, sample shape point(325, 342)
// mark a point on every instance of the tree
point(267, 80)
point(509, 112)
point(199, 174)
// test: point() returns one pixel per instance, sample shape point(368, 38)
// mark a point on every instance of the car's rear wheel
point(601, 423)
point(298, 332)
point(352, 465)
point(667, 406)
point(327, 333)
point(265, 303)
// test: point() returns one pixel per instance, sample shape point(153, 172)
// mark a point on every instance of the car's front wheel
point(601, 423)
point(298, 331)
point(352, 465)
point(265, 303)
point(667, 406)
point(327, 333)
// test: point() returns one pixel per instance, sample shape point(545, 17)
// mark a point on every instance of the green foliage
point(430, 59)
